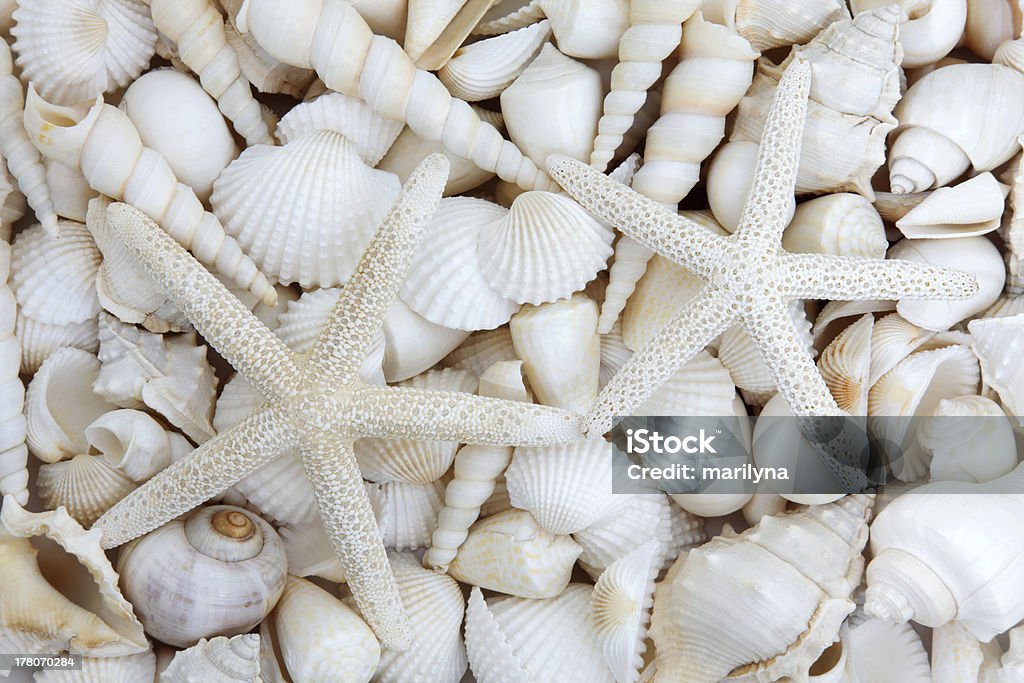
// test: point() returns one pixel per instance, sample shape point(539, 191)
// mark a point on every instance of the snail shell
point(218, 660)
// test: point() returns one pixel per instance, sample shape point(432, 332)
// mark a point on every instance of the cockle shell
point(85, 485)
point(218, 660)
point(620, 606)
point(447, 283)
point(481, 350)
point(176, 117)
point(408, 512)
point(841, 224)
point(124, 669)
point(996, 342)
point(545, 248)
point(60, 404)
point(59, 590)
point(510, 553)
point(892, 339)
point(73, 51)
point(217, 571)
point(435, 29)
point(312, 636)
point(558, 645)
point(570, 94)
point(935, 144)
point(39, 340)
point(54, 279)
point(783, 630)
point(845, 365)
point(305, 211)
point(371, 133)
point(664, 288)
point(561, 351)
point(885, 653)
point(974, 207)
point(482, 70)
point(167, 374)
point(969, 438)
point(702, 386)
point(775, 23)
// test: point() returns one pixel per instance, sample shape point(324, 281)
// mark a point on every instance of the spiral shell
point(263, 71)
point(972, 208)
point(218, 660)
point(775, 23)
point(484, 69)
point(961, 427)
point(841, 224)
point(929, 32)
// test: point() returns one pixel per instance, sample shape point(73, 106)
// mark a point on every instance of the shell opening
point(832, 658)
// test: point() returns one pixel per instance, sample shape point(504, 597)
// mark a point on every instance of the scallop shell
point(64, 596)
point(54, 279)
point(39, 341)
point(73, 50)
point(703, 386)
point(482, 70)
point(660, 293)
point(315, 195)
point(218, 660)
point(841, 224)
point(481, 350)
point(518, 640)
point(545, 248)
point(614, 354)
point(371, 133)
point(996, 342)
point(60, 404)
point(887, 653)
point(446, 282)
point(833, 317)
point(621, 608)
point(892, 339)
point(435, 28)
point(124, 669)
point(974, 207)
point(510, 553)
point(845, 366)
point(85, 485)
point(408, 512)
point(167, 374)
point(961, 428)
point(413, 343)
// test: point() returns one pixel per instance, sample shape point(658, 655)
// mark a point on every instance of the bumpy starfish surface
point(749, 278)
point(315, 402)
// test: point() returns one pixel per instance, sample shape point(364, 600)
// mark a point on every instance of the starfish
point(748, 277)
point(315, 401)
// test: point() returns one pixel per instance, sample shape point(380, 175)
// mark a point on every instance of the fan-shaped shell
point(893, 338)
point(482, 70)
point(663, 290)
point(39, 340)
point(886, 653)
point(218, 660)
point(85, 485)
point(306, 211)
point(371, 133)
point(408, 512)
point(845, 366)
point(545, 248)
point(842, 224)
point(481, 350)
point(703, 386)
point(73, 50)
point(54, 279)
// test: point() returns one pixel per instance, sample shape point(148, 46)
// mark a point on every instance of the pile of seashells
point(395, 467)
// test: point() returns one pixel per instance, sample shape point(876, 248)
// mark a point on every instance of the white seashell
point(267, 74)
point(408, 512)
point(507, 380)
point(614, 354)
point(763, 505)
point(73, 51)
point(934, 144)
point(385, 17)
point(975, 255)
point(990, 23)
point(892, 340)
point(371, 134)
point(620, 606)
point(39, 340)
point(13, 205)
point(553, 107)
point(175, 117)
point(69, 191)
point(918, 544)
point(834, 317)
point(217, 571)
point(567, 488)
point(435, 606)
point(481, 350)
point(702, 386)
point(484, 69)
point(845, 366)
point(315, 193)
point(730, 177)
point(886, 653)
point(446, 283)
point(510, 553)
point(961, 428)
point(86, 486)
point(782, 631)
point(930, 31)
point(218, 660)
point(167, 374)
point(88, 135)
point(54, 279)
point(317, 638)
point(995, 342)
point(561, 351)
point(124, 669)
point(197, 28)
point(13, 452)
point(777, 23)
point(60, 404)
point(559, 645)
point(841, 224)
point(413, 344)
point(663, 290)
point(64, 597)
point(435, 29)
point(974, 207)
point(509, 15)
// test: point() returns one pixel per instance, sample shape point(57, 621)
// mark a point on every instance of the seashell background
point(271, 137)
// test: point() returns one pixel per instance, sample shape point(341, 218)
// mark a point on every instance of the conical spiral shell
point(370, 133)
point(218, 660)
point(482, 70)
point(960, 428)
point(974, 207)
point(54, 279)
point(841, 224)
point(74, 50)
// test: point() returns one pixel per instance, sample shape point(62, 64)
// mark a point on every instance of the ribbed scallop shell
point(447, 283)
point(217, 660)
point(842, 224)
point(85, 485)
point(882, 652)
point(73, 50)
point(737, 352)
point(482, 350)
point(566, 488)
point(39, 341)
point(435, 607)
point(845, 366)
point(481, 70)
point(54, 279)
point(892, 339)
point(304, 212)
point(519, 640)
point(997, 341)
point(621, 608)
point(370, 133)
point(408, 512)
point(125, 669)
point(614, 353)
point(510, 553)
point(702, 386)
point(545, 248)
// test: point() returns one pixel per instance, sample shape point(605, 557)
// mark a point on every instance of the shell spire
point(198, 29)
point(333, 39)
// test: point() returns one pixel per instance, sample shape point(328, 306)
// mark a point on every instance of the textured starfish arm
point(848, 278)
point(390, 412)
point(209, 470)
point(365, 299)
point(643, 219)
point(765, 213)
point(216, 313)
point(348, 519)
point(773, 333)
point(685, 335)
